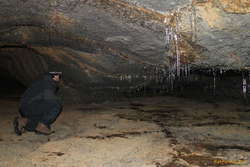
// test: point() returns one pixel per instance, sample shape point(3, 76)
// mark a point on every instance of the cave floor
point(142, 132)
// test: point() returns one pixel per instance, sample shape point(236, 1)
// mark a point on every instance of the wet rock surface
point(141, 132)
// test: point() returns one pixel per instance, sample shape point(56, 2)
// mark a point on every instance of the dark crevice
point(122, 135)
point(10, 88)
point(21, 64)
point(216, 123)
point(226, 147)
point(15, 46)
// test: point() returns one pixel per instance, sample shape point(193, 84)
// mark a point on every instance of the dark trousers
point(44, 112)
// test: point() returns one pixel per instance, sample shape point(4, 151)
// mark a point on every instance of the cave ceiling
point(106, 37)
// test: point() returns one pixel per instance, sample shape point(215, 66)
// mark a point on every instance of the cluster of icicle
point(218, 73)
point(164, 76)
point(178, 68)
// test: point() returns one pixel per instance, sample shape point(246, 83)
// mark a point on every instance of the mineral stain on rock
point(122, 135)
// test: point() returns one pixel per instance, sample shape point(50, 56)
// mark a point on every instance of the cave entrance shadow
point(10, 88)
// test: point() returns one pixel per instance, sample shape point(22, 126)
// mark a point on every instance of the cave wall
point(107, 47)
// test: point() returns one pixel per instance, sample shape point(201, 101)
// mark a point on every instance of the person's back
point(39, 106)
point(38, 90)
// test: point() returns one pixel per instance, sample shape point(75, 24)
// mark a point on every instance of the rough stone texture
point(224, 34)
point(96, 42)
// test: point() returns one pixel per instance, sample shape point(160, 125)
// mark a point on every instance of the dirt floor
point(146, 132)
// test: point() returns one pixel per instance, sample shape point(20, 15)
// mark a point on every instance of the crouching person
point(39, 106)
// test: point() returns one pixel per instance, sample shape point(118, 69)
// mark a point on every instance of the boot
point(19, 124)
point(43, 129)
point(22, 121)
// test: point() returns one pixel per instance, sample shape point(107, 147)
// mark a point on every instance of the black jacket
point(43, 90)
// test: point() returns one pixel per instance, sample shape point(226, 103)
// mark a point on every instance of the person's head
point(56, 76)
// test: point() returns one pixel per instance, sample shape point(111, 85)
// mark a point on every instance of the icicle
point(244, 88)
point(221, 71)
point(177, 49)
point(177, 56)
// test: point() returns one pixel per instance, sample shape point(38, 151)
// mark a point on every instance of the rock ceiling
point(115, 37)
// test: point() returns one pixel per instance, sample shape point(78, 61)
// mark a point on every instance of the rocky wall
point(108, 47)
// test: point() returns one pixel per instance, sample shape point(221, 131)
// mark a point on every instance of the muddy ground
point(143, 132)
